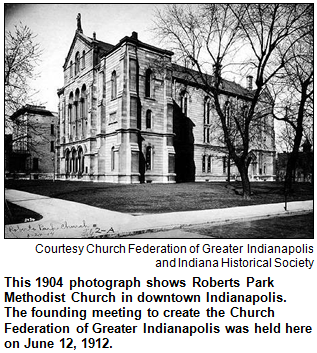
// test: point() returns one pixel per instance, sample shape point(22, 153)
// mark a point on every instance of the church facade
point(126, 115)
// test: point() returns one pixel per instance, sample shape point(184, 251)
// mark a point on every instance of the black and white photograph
point(159, 121)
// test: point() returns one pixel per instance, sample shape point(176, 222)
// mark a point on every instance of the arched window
point(76, 112)
point(77, 63)
point(113, 162)
point(83, 59)
point(203, 163)
point(81, 160)
point(148, 158)
point(67, 162)
point(113, 85)
point(76, 96)
point(148, 83)
point(228, 112)
point(74, 161)
point(70, 111)
point(184, 102)
point(207, 111)
point(83, 109)
point(71, 69)
point(206, 134)
point(209, 165)
point(148, 122)
point(224, 164)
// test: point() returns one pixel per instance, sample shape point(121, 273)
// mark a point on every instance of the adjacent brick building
point(127, 115)
point(30, 150)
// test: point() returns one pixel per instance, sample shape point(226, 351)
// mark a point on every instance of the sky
point(55, 26)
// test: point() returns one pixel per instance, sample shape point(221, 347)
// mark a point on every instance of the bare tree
point(222, 38)
point(22, 55)
point(294, 101)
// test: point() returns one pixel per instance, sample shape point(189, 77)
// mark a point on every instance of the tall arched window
point(148, 83)
point(77, 63)
point(83, 109)
point(203, 163)
point(207, 111)
point(71, 69)
point(70, 112)
point(148, 158)
point(206, 134)
point(83, 60)
point(209, 164)
point(148, 122)
point(113, 85)
point(113, 162)
point(67, 162)
point(81, 160)
point(74, 161)
point(228, 113)
point(184, 102)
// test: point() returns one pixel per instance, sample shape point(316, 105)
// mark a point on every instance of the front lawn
point(291, 227)
point(158, 198)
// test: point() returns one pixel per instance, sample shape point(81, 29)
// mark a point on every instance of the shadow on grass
point(14, 214)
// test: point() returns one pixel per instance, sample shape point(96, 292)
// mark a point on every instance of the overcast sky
point(55, 26)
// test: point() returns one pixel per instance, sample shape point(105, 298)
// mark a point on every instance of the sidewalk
point(67, 219)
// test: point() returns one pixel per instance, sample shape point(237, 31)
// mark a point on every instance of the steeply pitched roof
point(192, 77)
point(104, 47)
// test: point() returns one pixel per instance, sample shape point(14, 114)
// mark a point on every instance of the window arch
point(148, 83)
point(148, 119)
point(113, 85)
point(77, 63)
point(83, 59)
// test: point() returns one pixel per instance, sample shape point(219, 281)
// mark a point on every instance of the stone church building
point(128, 115)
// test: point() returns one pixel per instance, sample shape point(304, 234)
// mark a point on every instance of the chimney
point(250, 82)
point(94, 36)
point(134, 35)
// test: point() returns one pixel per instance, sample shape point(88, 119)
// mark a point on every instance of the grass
point(295, 227)
point(159, 198)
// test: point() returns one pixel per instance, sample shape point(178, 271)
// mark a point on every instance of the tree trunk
point(290, 170)
point(246, 187)
point(291, 163)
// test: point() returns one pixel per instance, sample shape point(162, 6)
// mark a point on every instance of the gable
point(80, 42)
